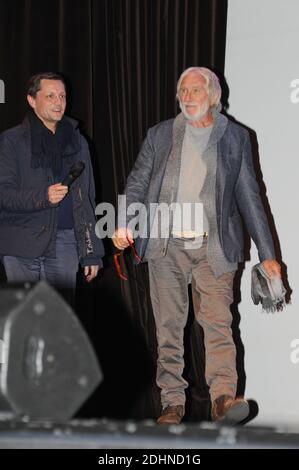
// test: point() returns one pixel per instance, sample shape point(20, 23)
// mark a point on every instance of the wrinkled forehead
point(194, 78)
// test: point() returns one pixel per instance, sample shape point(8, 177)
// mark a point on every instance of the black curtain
point(139, 50)
point(45, 35)
point(122, 59)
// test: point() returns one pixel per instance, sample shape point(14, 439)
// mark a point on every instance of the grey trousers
point(169, 278)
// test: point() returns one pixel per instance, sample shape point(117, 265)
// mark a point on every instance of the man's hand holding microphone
point(56, 192)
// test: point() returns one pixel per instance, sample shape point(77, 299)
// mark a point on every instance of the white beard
point(202, 111)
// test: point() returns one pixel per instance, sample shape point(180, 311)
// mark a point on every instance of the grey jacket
point(237, 191)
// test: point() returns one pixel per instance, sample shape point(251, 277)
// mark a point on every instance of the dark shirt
point(65, 212)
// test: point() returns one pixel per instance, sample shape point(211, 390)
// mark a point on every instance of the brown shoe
point(228, 410)
point(172, 414)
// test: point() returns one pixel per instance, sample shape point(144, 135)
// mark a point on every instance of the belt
point(189, 234)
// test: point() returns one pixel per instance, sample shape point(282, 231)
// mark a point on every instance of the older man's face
point(50, 102)
point(193, 96)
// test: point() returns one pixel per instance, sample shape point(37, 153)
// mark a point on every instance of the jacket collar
point(219, 127)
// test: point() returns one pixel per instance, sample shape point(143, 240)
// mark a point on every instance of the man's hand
point(56, 193)
point(121, 236)
point(90, 272)
point(272, 267)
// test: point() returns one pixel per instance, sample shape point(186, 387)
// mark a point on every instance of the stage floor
point(107, 434)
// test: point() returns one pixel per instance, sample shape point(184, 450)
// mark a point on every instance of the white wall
point(262, 55)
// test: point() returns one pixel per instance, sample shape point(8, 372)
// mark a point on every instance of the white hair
point(212, 84)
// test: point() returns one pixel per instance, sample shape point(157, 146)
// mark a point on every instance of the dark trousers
point(60, 271)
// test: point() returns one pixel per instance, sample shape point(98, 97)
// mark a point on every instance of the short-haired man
point(47, 229)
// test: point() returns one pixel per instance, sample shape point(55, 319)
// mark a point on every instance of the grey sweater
point(157, 247)
point(192, 176)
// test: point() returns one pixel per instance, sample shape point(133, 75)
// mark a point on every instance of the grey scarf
point(270, 292)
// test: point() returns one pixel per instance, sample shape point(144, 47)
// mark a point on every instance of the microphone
point(75, 171)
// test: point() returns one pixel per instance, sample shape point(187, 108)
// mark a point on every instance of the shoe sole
point(237, 413)
point(168, 422)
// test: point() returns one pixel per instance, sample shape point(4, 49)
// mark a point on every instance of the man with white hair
point(199, 158)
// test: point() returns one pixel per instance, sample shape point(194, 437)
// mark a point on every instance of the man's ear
point(211, 101)
point(31, 101)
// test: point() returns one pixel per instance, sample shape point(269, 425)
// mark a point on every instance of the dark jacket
point(28, 221)
point(237, 191)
